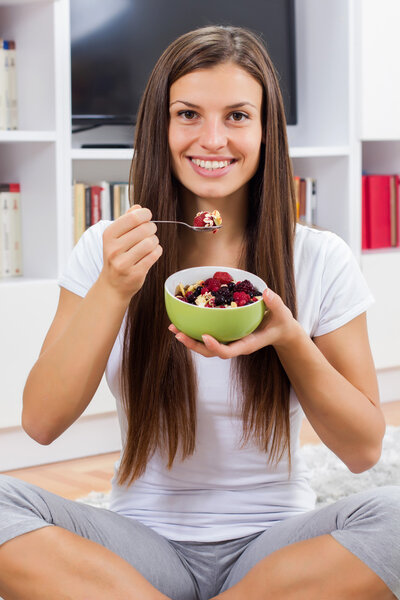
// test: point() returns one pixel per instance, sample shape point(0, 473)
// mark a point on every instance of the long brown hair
point(158, 377)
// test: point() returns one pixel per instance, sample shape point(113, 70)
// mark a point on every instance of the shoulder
point(309, 241)
point(320, 250)
point(86, 260)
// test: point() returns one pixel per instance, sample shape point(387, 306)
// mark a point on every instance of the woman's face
point(215, 130)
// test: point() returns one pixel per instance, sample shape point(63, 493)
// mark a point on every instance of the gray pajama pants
point(367, 524)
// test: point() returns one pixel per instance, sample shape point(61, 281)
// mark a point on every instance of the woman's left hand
point(277, 329)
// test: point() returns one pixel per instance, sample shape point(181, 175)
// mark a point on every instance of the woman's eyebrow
point(236, 105)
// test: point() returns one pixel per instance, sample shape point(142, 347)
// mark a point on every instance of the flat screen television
point(116, 43)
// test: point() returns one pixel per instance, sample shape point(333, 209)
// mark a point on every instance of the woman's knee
point(379, 504)
point(19, 495)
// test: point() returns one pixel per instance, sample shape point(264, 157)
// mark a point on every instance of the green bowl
point(224, 324)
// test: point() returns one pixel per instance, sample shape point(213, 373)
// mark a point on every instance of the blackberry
point(223, 296)
point(191, 296)
point(231, 286)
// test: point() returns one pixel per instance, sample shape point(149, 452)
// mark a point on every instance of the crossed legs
point(316, 569)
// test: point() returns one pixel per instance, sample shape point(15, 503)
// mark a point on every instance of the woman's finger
point(191, 343)
point(247, 345)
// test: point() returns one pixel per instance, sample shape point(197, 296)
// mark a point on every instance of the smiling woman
point(215, 136)
point(211, 498)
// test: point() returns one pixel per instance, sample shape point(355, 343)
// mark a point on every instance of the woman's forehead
point(226, 82)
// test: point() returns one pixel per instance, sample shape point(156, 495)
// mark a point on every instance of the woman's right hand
point(130, 248)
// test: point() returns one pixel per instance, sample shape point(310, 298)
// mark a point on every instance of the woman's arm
point(333, 377)
point(76, 349)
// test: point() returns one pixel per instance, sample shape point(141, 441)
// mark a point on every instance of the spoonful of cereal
point(203, 221)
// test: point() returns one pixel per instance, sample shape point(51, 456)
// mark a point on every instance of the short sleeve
point(85, 262)
point(344, 291)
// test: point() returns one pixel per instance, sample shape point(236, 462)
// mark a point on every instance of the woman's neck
point(223, 247)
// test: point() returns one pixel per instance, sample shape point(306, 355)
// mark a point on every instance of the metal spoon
point(211, 228)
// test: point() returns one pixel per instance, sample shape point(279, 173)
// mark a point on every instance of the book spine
point(308, 208)
point(302, 200)
point(378, 198)
point(297, 195)
point(111, 201)
point(16, 233)
point(117, 200)
point(393, 211)
point(6, 232)
point(105, 201)
point(365, 242)
point(397, 179)
point(88, 207)
point(2, 86)
point(12, 74)
point(127, 203)
point(314, 204)
point(7, 81)
point(95, 206)
point(79, 210)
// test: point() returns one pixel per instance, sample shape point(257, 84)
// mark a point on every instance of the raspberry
point(247, 287)
point(181, 298)
point(241, 298)
point(199, 219)
point(223, 276)
point(213, 284)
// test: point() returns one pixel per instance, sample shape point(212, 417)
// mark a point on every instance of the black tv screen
point(116, 43)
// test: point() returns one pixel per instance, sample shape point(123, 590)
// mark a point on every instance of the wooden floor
point(76, 478)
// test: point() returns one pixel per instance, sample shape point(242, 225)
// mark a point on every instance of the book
point(105, 200)
point(306, 200)
point(79, 210)
point(8, 85)
point(95, 205)
point(302, 200)
point(3, 83)
point(393, 212)
point(93, 202)
point(378, 193)
point(365, 242)
point(397, 187)
point(116, 200)
point(12, 108)
point(297, 193)
point(88, 207)
point(10, 221)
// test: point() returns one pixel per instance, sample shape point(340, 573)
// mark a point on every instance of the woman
point(210, 499)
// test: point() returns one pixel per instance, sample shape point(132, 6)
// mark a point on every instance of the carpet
point(330, 478)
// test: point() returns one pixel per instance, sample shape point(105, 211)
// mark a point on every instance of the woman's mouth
point(211, 168)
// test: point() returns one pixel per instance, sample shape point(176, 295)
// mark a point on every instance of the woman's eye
point(238, 117)
point(187, 114)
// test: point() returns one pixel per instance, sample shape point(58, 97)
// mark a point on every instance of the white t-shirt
point(223, 491)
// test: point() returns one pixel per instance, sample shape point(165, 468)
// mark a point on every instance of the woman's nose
point(213, 135)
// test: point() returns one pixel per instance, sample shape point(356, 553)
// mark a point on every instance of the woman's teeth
point(211, 164)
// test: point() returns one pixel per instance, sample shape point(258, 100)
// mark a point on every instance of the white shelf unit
point(333, 140)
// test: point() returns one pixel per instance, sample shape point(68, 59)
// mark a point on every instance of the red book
point(365, 241)
point(378, 209)
point(95, 212)
point(397, 179)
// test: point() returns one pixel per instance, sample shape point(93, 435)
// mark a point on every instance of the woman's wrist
point(111, 295)
point(292, 335)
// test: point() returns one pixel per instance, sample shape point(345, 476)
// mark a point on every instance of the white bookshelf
point(341, 129)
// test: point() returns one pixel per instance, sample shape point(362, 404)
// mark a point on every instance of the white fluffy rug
point(330, 478)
